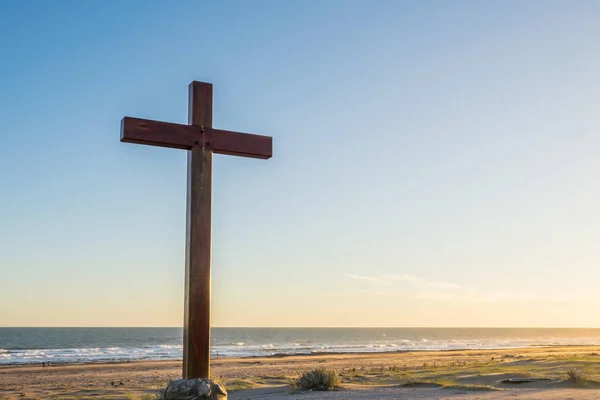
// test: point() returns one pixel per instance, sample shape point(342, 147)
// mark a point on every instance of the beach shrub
point(575, 376)
point(151, 397)
point(317, 379)
point(238, 384)
point(219, 378)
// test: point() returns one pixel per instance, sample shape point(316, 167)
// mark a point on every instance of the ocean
point(84, 345)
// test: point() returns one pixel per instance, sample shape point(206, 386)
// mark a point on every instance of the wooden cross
point(201, 140)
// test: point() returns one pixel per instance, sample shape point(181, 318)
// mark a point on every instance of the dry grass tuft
point(575, 376)
point(317, 379)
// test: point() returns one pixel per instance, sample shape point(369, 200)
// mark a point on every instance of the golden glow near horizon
point(392, 301)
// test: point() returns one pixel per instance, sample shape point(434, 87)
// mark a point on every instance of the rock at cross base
point(194, 389)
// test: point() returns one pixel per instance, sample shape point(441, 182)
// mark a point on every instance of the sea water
point(83, 345)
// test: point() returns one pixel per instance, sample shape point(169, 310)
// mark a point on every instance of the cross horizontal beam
point(178, 136)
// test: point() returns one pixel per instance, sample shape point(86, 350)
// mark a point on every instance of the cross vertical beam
point(200, 140)
point(196, 330)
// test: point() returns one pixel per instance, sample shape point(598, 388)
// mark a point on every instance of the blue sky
point(435, 162)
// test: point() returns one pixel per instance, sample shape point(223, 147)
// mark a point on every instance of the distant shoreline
point(280, 356)
point(21, 346)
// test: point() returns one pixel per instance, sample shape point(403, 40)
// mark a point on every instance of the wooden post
point(196, 331)
point(201, 141)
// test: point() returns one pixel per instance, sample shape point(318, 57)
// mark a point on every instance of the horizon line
point(307, 327)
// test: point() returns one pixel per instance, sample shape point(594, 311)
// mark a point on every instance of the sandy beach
point(474, 374)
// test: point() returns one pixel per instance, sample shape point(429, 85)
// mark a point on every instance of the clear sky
point(436, 163)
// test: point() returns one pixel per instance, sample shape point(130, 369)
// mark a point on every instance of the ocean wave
point(233, 348)
point(87, 355)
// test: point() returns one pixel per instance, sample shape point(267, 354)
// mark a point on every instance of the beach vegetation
point(575, 376)
point(237, 384)
point(151, 397)
point(231, 384)
point(583, 378)
point(317, 379)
